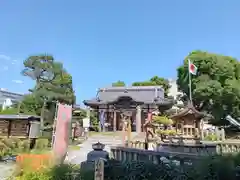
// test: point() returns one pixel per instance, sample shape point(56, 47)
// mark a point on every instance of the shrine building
point(135, 101)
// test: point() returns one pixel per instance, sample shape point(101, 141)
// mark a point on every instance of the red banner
point(64, 116)
point(149, 116)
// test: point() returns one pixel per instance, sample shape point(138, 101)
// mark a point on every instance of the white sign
point(99, 170)
point(86, 122)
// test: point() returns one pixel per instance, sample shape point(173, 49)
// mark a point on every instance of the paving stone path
point(76, 157)
point(5, 170)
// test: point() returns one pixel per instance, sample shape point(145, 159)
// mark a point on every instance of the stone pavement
point(5, 170)
point(76, 157)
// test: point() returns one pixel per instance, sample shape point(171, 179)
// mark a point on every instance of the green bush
point(211, 168)
point(41, 144)
point(4, 150)
point(211, 137)
point(166, 132)
point(34, 176)
point(16, 141)
point(59, 172)
point(164, 120)
point(25, 145)
point(9, 143)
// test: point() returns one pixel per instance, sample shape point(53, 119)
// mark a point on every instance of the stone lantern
point(97, 153)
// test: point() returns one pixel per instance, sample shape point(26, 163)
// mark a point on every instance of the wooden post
point(114, 121)
point(139, 120)
point(129, 130)
point(99, 170)
point(124, 128)
point(223, 134)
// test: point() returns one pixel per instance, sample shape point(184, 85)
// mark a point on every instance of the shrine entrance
point(116, 105)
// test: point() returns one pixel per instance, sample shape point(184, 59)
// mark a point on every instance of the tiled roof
point(145, 94)
point(21, 116)
point(190, 109)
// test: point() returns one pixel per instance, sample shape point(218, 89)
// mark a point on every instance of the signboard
point(99, 169)
point(86, 122)
point(64, 116)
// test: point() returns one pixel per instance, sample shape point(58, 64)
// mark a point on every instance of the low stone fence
point(133, 154)
point(205, 147)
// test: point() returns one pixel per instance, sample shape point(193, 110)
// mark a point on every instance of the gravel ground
point(5, 170)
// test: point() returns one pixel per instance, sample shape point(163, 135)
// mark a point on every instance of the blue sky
point(102, 41)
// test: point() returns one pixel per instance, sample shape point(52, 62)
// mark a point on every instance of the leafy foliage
point(164, 120)
point(155, 81)
point(118, 84)
point(9, 111)
point(214, 168)
point(80, 114)
point(216, 87)
point(53, 84)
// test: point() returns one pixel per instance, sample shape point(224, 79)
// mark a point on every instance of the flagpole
point(190, 83)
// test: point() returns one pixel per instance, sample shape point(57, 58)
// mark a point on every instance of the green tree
point(53, 83)
point(155, 81)
point(30, 104)
point(9, 111)
point(80, 114)
point(216, 87)
point(118, 84)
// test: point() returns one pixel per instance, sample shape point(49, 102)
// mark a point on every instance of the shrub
point(166, 132)
point(16, 141)
point(162, 120)
point(9, 143)
point(24, 145)
point(41, 144)
point(214, 168)
point(59, 172)
point(211, 137)
point(37, 175)
point(3, 150)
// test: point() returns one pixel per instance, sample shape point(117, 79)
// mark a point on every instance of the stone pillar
point(139, 119)
point(114, 121)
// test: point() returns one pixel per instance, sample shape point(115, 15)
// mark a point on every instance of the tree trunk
point(42, 118)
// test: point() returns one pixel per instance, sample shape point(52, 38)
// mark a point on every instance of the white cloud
point(4, 57)
point(7, 62)
point(18, 81)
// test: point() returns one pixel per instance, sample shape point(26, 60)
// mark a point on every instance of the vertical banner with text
point(63, 120)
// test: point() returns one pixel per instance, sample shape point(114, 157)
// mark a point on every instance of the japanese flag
point(192, 68)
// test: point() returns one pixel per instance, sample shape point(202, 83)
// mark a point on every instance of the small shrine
point(188, 122)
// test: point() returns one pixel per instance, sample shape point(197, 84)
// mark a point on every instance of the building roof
point(19, 117)
point(139, 94)
point(190, 109)
point(14, 97)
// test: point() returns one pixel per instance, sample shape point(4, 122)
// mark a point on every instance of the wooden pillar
point(139, 119)
point(99, 123)
point(182, 127)
point(114, 121)
point(105, 117)
point(201, 129)
point(9, 128)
